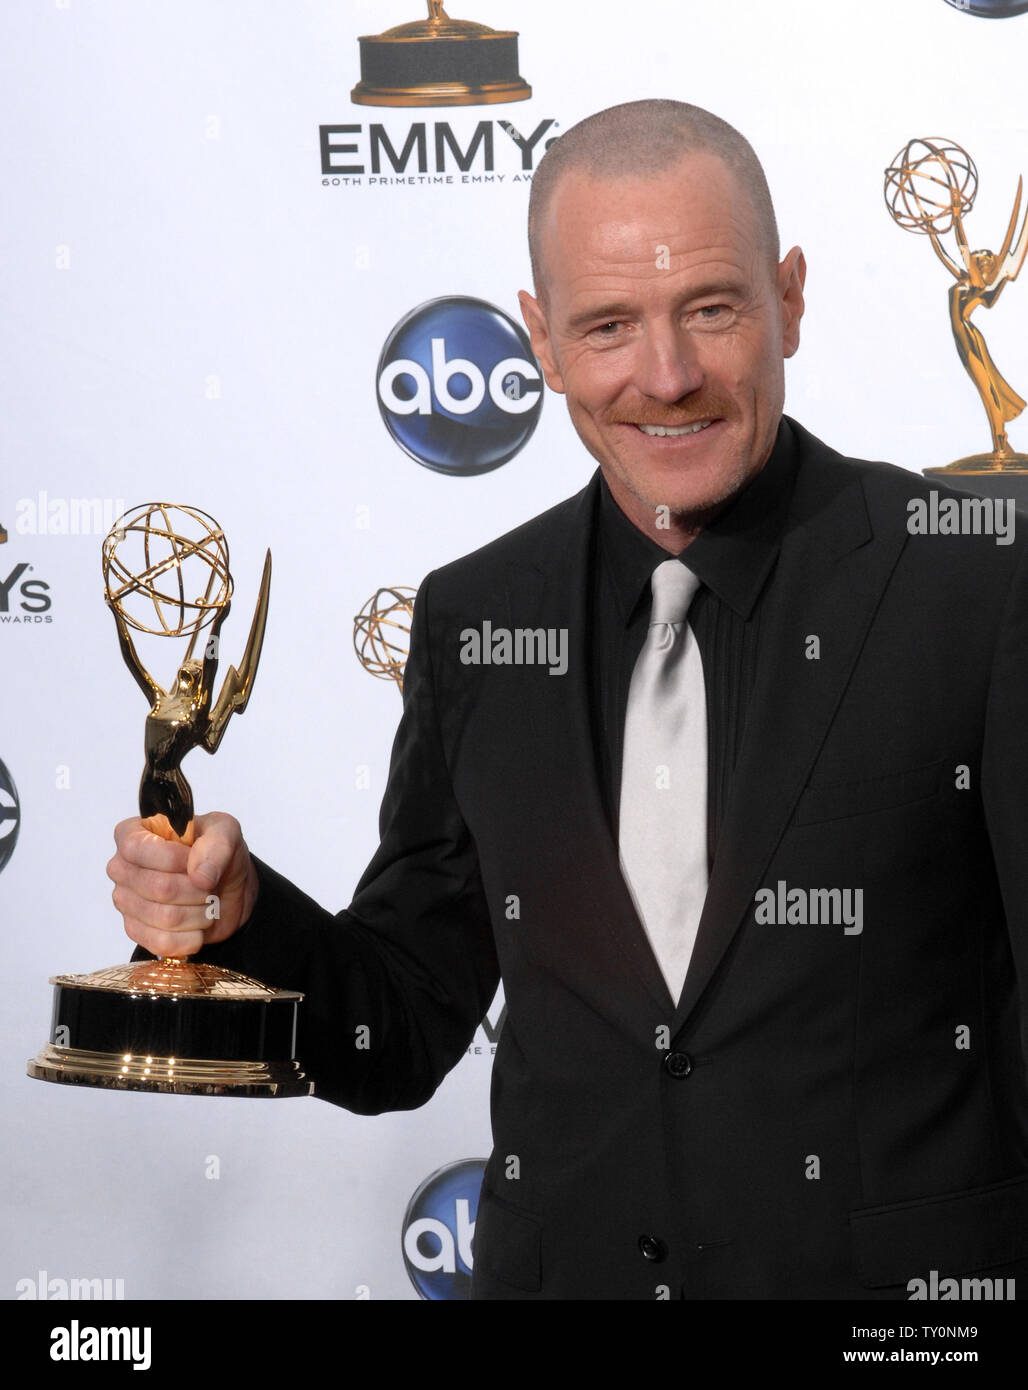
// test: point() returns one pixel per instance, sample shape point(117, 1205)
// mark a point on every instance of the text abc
point(506, 395)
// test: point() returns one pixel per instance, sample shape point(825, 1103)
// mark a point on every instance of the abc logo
point(438, 1228)
point(458, 387)
point(991, 9)
point(9, 816)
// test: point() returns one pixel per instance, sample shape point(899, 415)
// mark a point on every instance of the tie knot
point(673, 588)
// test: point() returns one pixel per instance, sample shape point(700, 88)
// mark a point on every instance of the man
point(766, 978)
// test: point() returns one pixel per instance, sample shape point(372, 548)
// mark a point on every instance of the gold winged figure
point(929, 188)
point(183, 716)
point(981, 282)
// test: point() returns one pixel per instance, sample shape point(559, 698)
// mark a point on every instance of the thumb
point(217, 841)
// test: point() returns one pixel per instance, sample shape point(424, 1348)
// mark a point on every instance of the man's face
point(660, 311)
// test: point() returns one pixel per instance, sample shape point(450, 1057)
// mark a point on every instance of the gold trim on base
point(443, 27)
point(1015, 464)
point(440, 94)
point(175, 978)
point(190, 1076)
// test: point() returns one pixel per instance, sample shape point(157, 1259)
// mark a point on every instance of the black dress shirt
point(734, 558)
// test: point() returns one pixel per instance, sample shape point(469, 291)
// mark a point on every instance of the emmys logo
point(29, 598)
point(438, 1229)
point(991, 9)
point(458, 387)
point(435, 151)
point(434, 62)
point(10, 816)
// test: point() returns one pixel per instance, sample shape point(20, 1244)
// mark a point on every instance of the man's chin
point(691, 508)
point(696, 516)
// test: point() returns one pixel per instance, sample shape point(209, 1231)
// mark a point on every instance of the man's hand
point(177, 897)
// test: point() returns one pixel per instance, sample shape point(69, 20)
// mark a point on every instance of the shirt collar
point(733, 556)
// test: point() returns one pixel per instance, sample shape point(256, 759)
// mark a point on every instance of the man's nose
point(668, 364)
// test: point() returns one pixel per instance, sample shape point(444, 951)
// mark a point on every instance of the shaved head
point(661, 312)
point(642, 138)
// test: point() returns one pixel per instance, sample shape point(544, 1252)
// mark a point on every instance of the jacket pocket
point(507, 1244)
point(832, 798)
point(953, 1234)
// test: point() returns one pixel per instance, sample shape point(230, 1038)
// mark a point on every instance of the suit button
point(652, 1249)
point(678, 1064)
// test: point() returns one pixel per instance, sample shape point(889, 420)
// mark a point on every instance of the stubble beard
point(691, 518)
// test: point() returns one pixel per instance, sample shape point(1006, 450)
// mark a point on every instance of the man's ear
point(542, 344)
point(792, 275)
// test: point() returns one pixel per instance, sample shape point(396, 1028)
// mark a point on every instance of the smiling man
point(776, 702)
point(662, 312)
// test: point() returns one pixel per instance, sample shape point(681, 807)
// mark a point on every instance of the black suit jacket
point(824, 1114)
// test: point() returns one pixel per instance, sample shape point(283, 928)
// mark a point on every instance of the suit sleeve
point(1005, 776)
point(396, 984)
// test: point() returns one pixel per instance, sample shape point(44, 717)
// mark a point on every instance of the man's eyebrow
point(709, 287)
point(613, 309)
point(600, 314)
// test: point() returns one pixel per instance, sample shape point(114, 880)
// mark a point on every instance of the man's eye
point(607, 329)
point(712, 310)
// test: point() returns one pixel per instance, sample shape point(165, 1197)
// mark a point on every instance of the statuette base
point(1009, 462)
point(181, 1027)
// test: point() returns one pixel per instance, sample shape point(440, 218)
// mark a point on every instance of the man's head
point(660, 302)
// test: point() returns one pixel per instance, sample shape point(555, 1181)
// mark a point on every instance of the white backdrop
point(189, 313)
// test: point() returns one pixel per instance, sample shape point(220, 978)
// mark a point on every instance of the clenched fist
point(176, 897)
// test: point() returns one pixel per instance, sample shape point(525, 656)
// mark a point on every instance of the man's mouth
point(674, 431)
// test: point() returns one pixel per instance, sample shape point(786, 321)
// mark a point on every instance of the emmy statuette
point(175, 1025)
point(929, 189)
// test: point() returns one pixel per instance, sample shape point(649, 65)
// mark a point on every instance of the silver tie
point(663, 812)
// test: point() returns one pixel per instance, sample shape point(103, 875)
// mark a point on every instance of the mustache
point(710, 407)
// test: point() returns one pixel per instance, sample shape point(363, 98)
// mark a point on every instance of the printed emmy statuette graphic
point(440, 61)
point(929, 188)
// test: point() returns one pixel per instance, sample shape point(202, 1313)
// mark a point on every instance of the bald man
point(751, 869)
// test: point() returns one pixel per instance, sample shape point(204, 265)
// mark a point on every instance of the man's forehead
point(615, 244)
point(597, 227)
point(698, 177)
point(694, 202)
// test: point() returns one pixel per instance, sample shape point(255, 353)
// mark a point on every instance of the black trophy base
point(987, 482)
point(455, 64)
point(173, 1026)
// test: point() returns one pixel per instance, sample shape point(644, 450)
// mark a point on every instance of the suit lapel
point(555, 592)
point(829, 578)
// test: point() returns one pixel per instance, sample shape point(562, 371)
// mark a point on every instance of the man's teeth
point(661, 430)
